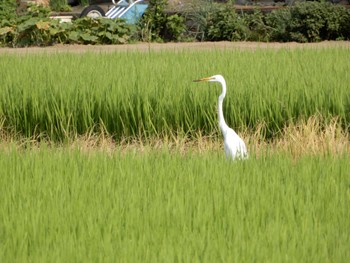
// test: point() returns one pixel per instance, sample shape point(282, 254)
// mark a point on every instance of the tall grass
point(71, 204)
point(60, 205)
point(128, 94)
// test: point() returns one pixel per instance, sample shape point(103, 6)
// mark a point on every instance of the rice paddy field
point(117, 157)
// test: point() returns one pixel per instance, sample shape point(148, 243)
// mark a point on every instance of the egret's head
point(215, 78)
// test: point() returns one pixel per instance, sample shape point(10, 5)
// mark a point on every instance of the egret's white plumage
point(234, 146)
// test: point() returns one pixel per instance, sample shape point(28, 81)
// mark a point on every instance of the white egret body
point(234, 146)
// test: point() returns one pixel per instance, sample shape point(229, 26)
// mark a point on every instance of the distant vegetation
point(303, 22)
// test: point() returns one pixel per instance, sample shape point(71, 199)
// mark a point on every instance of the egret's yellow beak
point(203, 79)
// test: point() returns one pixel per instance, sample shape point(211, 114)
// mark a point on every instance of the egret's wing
point(234, 145)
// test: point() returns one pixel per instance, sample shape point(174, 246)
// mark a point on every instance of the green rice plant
point(133, 94)
point(65, 205)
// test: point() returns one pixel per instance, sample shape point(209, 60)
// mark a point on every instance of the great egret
point(233, 144)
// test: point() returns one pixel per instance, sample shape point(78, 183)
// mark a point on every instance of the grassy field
point(132, 93)
point(61, 205)
point(118, 157)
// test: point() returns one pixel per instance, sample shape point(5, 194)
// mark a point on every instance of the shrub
point(224, 24)
point(280, 27)
point(337, 23)
point(255, 26)
point(59, 5)
point(99, 31)
point(157, 25)
point(304, 22)
point(310, 22)
point(29, 29)
point(35, 28)
point(7, 11)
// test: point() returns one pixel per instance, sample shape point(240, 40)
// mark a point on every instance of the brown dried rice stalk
point(305, 137)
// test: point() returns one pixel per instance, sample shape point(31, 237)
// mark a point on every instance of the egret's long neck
point(222, 122)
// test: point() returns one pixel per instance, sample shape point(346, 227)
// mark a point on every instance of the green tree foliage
point(310, 22)
point(59, 5)
point(7, 11)
point(304, 22)
point(225, 23)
